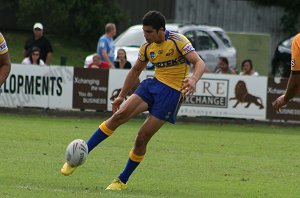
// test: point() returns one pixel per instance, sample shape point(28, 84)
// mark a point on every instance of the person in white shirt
point(34, 58)
point(247, 68)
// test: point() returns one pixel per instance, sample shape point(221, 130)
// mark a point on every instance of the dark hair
point(121, 49)
point(35, 49)
point(245, 61)
point(155, 19)
point(224, 59)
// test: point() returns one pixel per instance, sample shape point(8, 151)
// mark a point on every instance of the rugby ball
point(76, 152)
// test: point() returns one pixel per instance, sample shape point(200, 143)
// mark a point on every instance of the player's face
point(150, 34)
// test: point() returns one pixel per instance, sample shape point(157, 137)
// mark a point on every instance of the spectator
point(106, 45)
point(223, 67)
point(247, 68)
point(34, 58)
point(121, 61)
point(39, 40)
point(5, 64)
point(97, 63)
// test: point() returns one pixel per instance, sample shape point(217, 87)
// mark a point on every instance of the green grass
point(183, 160)
point(72, 50)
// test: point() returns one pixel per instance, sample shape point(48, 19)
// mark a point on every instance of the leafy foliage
point(84, 20)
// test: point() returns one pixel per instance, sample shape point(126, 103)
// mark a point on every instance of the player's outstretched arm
point(131, 80)
point(189, 84)
point(4, 67)
point(293, 89)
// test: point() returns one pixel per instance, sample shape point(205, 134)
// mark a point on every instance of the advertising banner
point(35, 86)
point(276, 87)
point(90, 88)
point(217, 95)
point(227, 96)
point(116, 81)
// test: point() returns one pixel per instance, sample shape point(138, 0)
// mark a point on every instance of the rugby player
point(293, 86)
point(4, 60)
point(162, 95)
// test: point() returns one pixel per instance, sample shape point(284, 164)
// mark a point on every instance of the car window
point(191, 36)
point(205, 41)
point(131, 38)
point(223, 37)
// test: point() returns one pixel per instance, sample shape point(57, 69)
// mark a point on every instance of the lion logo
point(242, 96)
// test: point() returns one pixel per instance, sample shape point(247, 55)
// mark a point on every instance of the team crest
point(152, 55)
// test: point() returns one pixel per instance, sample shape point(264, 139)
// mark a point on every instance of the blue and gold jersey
point(3, 46)
point(168, 57)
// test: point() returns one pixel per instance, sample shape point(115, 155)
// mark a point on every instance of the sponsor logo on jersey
point(188, 48)
point(293, 62)
point(173, 62)
point(3, 46)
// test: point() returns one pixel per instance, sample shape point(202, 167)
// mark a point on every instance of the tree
point(80, 19)
point(290, 20)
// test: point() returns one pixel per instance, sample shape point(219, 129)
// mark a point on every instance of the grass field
point(183, 160)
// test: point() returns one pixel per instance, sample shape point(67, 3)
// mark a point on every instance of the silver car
point(210, 42)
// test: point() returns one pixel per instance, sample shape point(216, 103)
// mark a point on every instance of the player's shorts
point(163, 101)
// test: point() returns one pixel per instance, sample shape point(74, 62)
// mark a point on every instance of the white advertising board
point(35, 86)
point(217, 95)
point(231, 96)
point(116, 80)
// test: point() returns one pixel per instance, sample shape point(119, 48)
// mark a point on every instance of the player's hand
point(189, 86)
point(117, 103)
point(279, 102)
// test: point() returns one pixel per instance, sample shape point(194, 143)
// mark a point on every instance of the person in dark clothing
point(39, 40)
point(121, 61)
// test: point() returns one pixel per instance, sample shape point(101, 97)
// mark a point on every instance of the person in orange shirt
point(293, 86)
point(4, 60)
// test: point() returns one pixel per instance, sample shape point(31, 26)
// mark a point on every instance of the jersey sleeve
point(3, 45)
point(142, 53)
point(295, 50)
point(183, 44)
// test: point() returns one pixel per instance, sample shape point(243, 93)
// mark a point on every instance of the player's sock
point(100, 134)
point(133, 161)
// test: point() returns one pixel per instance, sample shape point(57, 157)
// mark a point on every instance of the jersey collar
point(167, 34)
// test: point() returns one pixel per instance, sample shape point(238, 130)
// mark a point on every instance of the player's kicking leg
point(133, 106)
point(67, 169)
point(136, 155)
